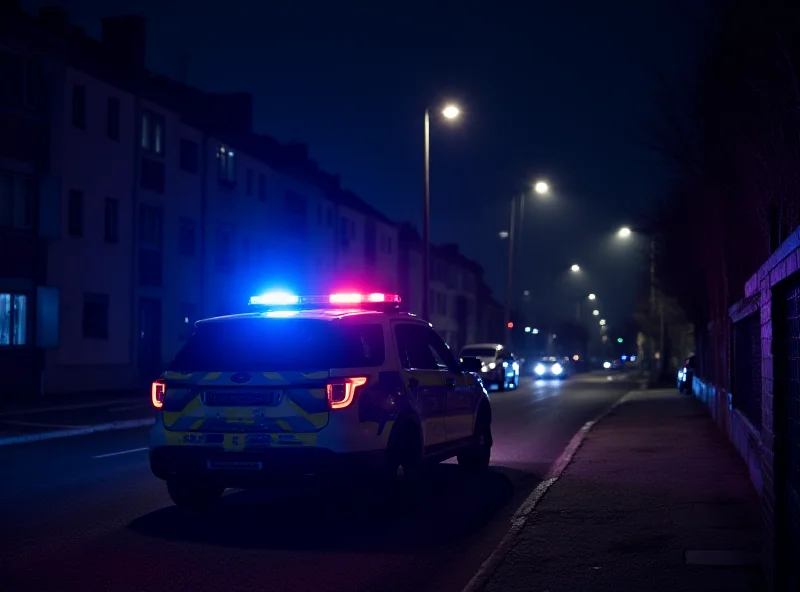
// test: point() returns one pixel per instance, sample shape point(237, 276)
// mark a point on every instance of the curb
point(523, 513)
point(103, 427)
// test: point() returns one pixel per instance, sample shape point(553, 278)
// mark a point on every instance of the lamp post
point(624, 233)
point(540, 188)
point(449, 112)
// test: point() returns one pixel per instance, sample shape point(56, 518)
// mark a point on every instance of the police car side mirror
point(471, 364)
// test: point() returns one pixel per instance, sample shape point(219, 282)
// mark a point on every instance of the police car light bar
point(285, 299)
point(274, 299)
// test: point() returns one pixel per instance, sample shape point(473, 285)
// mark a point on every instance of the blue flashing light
point(274, 299)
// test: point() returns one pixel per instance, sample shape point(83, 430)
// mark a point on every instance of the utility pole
point(510, 271)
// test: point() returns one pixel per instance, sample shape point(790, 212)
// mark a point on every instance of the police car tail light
point(158, 392)
point(342, 391)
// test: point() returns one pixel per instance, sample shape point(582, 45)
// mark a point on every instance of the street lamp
point(592, 297)
point(450, 112)
point(575, 268)
point(602, 322)
point(624, 232)
point(596, 312)
point(541, 187)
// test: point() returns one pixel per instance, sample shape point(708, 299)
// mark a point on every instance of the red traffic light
point(510, 325)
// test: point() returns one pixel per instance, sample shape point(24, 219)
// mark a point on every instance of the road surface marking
point(41, 425)
point(103, 427)
point(92, 405)
point(128, 408)
point(120, 452)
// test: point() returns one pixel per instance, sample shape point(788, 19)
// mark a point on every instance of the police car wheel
point(193, 495)
point(477, 458)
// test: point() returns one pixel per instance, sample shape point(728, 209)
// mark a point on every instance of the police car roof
point(328, 314)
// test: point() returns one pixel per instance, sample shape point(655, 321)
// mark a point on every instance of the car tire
point(194, 495)
point(403, 463)
point(478, 457)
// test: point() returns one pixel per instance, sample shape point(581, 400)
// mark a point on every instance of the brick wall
point(769, 457)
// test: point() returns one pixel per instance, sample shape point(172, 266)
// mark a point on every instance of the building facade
point(135, 205)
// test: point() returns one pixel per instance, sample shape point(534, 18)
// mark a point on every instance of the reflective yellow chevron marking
point(315, 375)
point(177, 376)
point(212, 375)
point(273, 376)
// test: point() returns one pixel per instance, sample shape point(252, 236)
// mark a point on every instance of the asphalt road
point(84, 513)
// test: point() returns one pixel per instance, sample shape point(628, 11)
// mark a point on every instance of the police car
point(314, 386)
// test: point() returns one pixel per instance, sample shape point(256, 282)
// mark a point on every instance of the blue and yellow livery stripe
point(302, 407)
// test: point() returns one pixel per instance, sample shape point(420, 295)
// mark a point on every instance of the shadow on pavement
point(450, 506)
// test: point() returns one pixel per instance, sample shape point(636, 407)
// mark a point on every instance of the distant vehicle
point(314, 387)
point(612, 365)
point(500, 366)
point(550, 367)
point(686, 376)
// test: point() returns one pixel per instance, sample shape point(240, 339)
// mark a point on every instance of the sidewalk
point(73, 415)
point(654, 499)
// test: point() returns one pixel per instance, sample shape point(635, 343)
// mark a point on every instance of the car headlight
point(492, 365)
point(539, 369)
point(484, 369)
point(606, 365)
point(556, 368)
point(515, 366)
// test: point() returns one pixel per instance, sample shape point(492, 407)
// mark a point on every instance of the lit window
point(13, 319)
point(152, 132)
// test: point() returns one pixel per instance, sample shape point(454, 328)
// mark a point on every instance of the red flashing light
point(342, 391)
point(510, 325)
point(158, 392)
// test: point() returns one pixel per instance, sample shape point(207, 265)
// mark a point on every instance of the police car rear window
point(280, 345)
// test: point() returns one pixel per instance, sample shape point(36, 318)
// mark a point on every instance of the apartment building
point(460, 304)
point(136, 205)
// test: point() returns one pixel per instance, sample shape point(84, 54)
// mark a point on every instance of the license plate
point(233, 465)
point(236, 398)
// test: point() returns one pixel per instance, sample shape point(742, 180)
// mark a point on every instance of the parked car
point(500, 367)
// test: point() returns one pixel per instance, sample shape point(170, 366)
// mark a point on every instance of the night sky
point(561, 90)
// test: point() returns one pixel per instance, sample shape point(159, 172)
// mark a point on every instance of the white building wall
point(88, 161)
point(350, 270)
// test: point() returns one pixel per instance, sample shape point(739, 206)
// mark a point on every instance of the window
point(420, 348)
point(153, 132)
point(187, 317)
point(75, 213)
point(152, 175)
point(112, 118)
point(112, 220)
point(187, 232)
point(95, 316)
point(13, 319)
point(226, 166)
point(262, 187)
point(188, 157)
point(150, 226)
point(79, 106)
point(281, 344)
point(296, 213)
point(249, 183)
point(16, 200)
point(224, 247)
